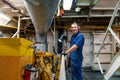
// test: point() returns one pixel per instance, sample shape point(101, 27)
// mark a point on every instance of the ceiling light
point(67, 4)
point(77, 9)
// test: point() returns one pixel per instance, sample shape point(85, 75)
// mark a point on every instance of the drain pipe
point(18, 29)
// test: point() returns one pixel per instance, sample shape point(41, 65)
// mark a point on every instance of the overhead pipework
point(41, 13)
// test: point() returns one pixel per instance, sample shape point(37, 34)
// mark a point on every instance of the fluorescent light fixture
point(77, 9)
point(67, 4)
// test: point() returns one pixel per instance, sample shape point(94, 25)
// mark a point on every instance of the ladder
point(115, 62)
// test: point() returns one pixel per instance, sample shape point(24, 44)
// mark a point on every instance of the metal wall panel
point(87, 50)
point(105, 55)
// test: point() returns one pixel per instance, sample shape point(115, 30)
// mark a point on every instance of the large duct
point(41, 13)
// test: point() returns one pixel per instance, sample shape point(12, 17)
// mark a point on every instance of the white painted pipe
point(62, 75)
point(18, 29)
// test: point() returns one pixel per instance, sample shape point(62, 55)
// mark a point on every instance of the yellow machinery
point(57, 61)
point(15, 53)
point(48, 63)
point(45, 61)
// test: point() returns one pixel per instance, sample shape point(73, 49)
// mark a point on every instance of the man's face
point(74, 29)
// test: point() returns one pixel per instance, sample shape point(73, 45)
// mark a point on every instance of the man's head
point(74, 27)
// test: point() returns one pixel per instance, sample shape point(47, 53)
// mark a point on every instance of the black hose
point(54, 50)
point(29, 68)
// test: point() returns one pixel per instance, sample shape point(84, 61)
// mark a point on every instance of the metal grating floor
point(89, 74)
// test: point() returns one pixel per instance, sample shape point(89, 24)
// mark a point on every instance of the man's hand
point(63, 54)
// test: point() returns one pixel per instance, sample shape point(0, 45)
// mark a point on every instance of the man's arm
point(74, 47)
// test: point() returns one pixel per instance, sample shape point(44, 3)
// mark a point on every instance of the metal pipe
point(18, 29)
point(41, 42)
point(102, 8)
point(41, 13)
point(85, 16)
point(54, 32)
point(62, 75)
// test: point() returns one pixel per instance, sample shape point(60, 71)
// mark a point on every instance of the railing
point(113, 34)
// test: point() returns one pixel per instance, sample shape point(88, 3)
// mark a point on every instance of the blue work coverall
point(76, 57)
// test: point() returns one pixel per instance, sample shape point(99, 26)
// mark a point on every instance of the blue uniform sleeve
point(79, 40)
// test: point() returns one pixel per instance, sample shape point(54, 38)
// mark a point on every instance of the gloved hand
point(63, 54)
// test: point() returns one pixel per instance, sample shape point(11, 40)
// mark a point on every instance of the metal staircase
point(115, 62)
point(113, 67)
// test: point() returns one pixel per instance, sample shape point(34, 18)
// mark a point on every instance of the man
point(75, 52)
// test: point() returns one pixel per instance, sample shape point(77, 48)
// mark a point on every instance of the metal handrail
point(113, 34)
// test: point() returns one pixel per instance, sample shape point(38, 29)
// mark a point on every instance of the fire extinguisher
point(27, 72)
point(31, 72)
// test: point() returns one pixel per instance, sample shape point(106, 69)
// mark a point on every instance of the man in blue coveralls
point(75, 52)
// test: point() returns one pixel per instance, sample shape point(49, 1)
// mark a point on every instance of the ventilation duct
point(41, 13)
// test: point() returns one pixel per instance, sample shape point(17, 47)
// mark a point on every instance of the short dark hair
point(75, 23)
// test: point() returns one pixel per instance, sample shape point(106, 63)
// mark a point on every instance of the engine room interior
point(35, 35)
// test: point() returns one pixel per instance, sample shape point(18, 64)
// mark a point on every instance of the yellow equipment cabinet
point(15, 53)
